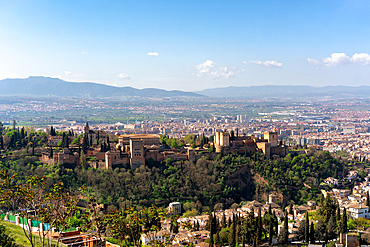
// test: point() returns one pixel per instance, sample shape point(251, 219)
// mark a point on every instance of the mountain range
point(37, 86)
point(53, 87)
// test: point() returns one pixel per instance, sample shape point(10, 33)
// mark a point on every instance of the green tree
point(343, 223)
point(218, 241)
point(331, 229)
point(312, 234)
point(232, 235)
point(20, 197)
point(5, 239)
point(320, 230)
point(307, 229)
point(223, 223)
point(271, 232)
point(259, 226)
point(301, 230)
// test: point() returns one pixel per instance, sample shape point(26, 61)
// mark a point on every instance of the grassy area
point(17, 233)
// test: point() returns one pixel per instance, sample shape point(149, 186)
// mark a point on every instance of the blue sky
point(187, 45)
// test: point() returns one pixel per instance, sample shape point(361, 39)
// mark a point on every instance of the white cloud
point(313, 61)
point(204, 68)
point(155, 54)
point(336, 59)
point(67, 72)
point(123, 76)
point(269, 64)
point(362, 58)
point(85, 53)
point(224, 73)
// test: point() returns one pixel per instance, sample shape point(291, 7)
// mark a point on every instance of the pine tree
point(307, 229)
point(312, 234)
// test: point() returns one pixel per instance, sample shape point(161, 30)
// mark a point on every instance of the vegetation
point(227, 179)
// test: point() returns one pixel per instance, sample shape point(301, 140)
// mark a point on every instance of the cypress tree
point(223, 221)
point(218, 239)
point(243, 240)
point(64, 140)
point(229, 222)
point(367, 199)
point(269, 211)
point(270, 232)
point(344, 221)
point(51, 152)
point(286, 226)
point(312, 234)
point(1, 142)
point(259, 226)
point(338, 214)
point(276, 224)
point(307, 229)
point(232, 235)
point(211, 232)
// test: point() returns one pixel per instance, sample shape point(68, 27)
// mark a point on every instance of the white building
point(175, 208)
point(332, 181)
point(359, 211)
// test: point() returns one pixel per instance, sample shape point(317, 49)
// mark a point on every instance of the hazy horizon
point(188, 46)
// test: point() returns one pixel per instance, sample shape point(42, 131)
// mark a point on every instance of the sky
point(187, 45)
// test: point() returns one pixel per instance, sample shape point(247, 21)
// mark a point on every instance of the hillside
point(226, 179)
point(53, 87)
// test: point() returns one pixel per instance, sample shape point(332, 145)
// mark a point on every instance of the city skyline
point(187, 45)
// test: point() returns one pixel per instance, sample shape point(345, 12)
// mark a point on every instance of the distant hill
point(53, 87)
point(271, 91)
